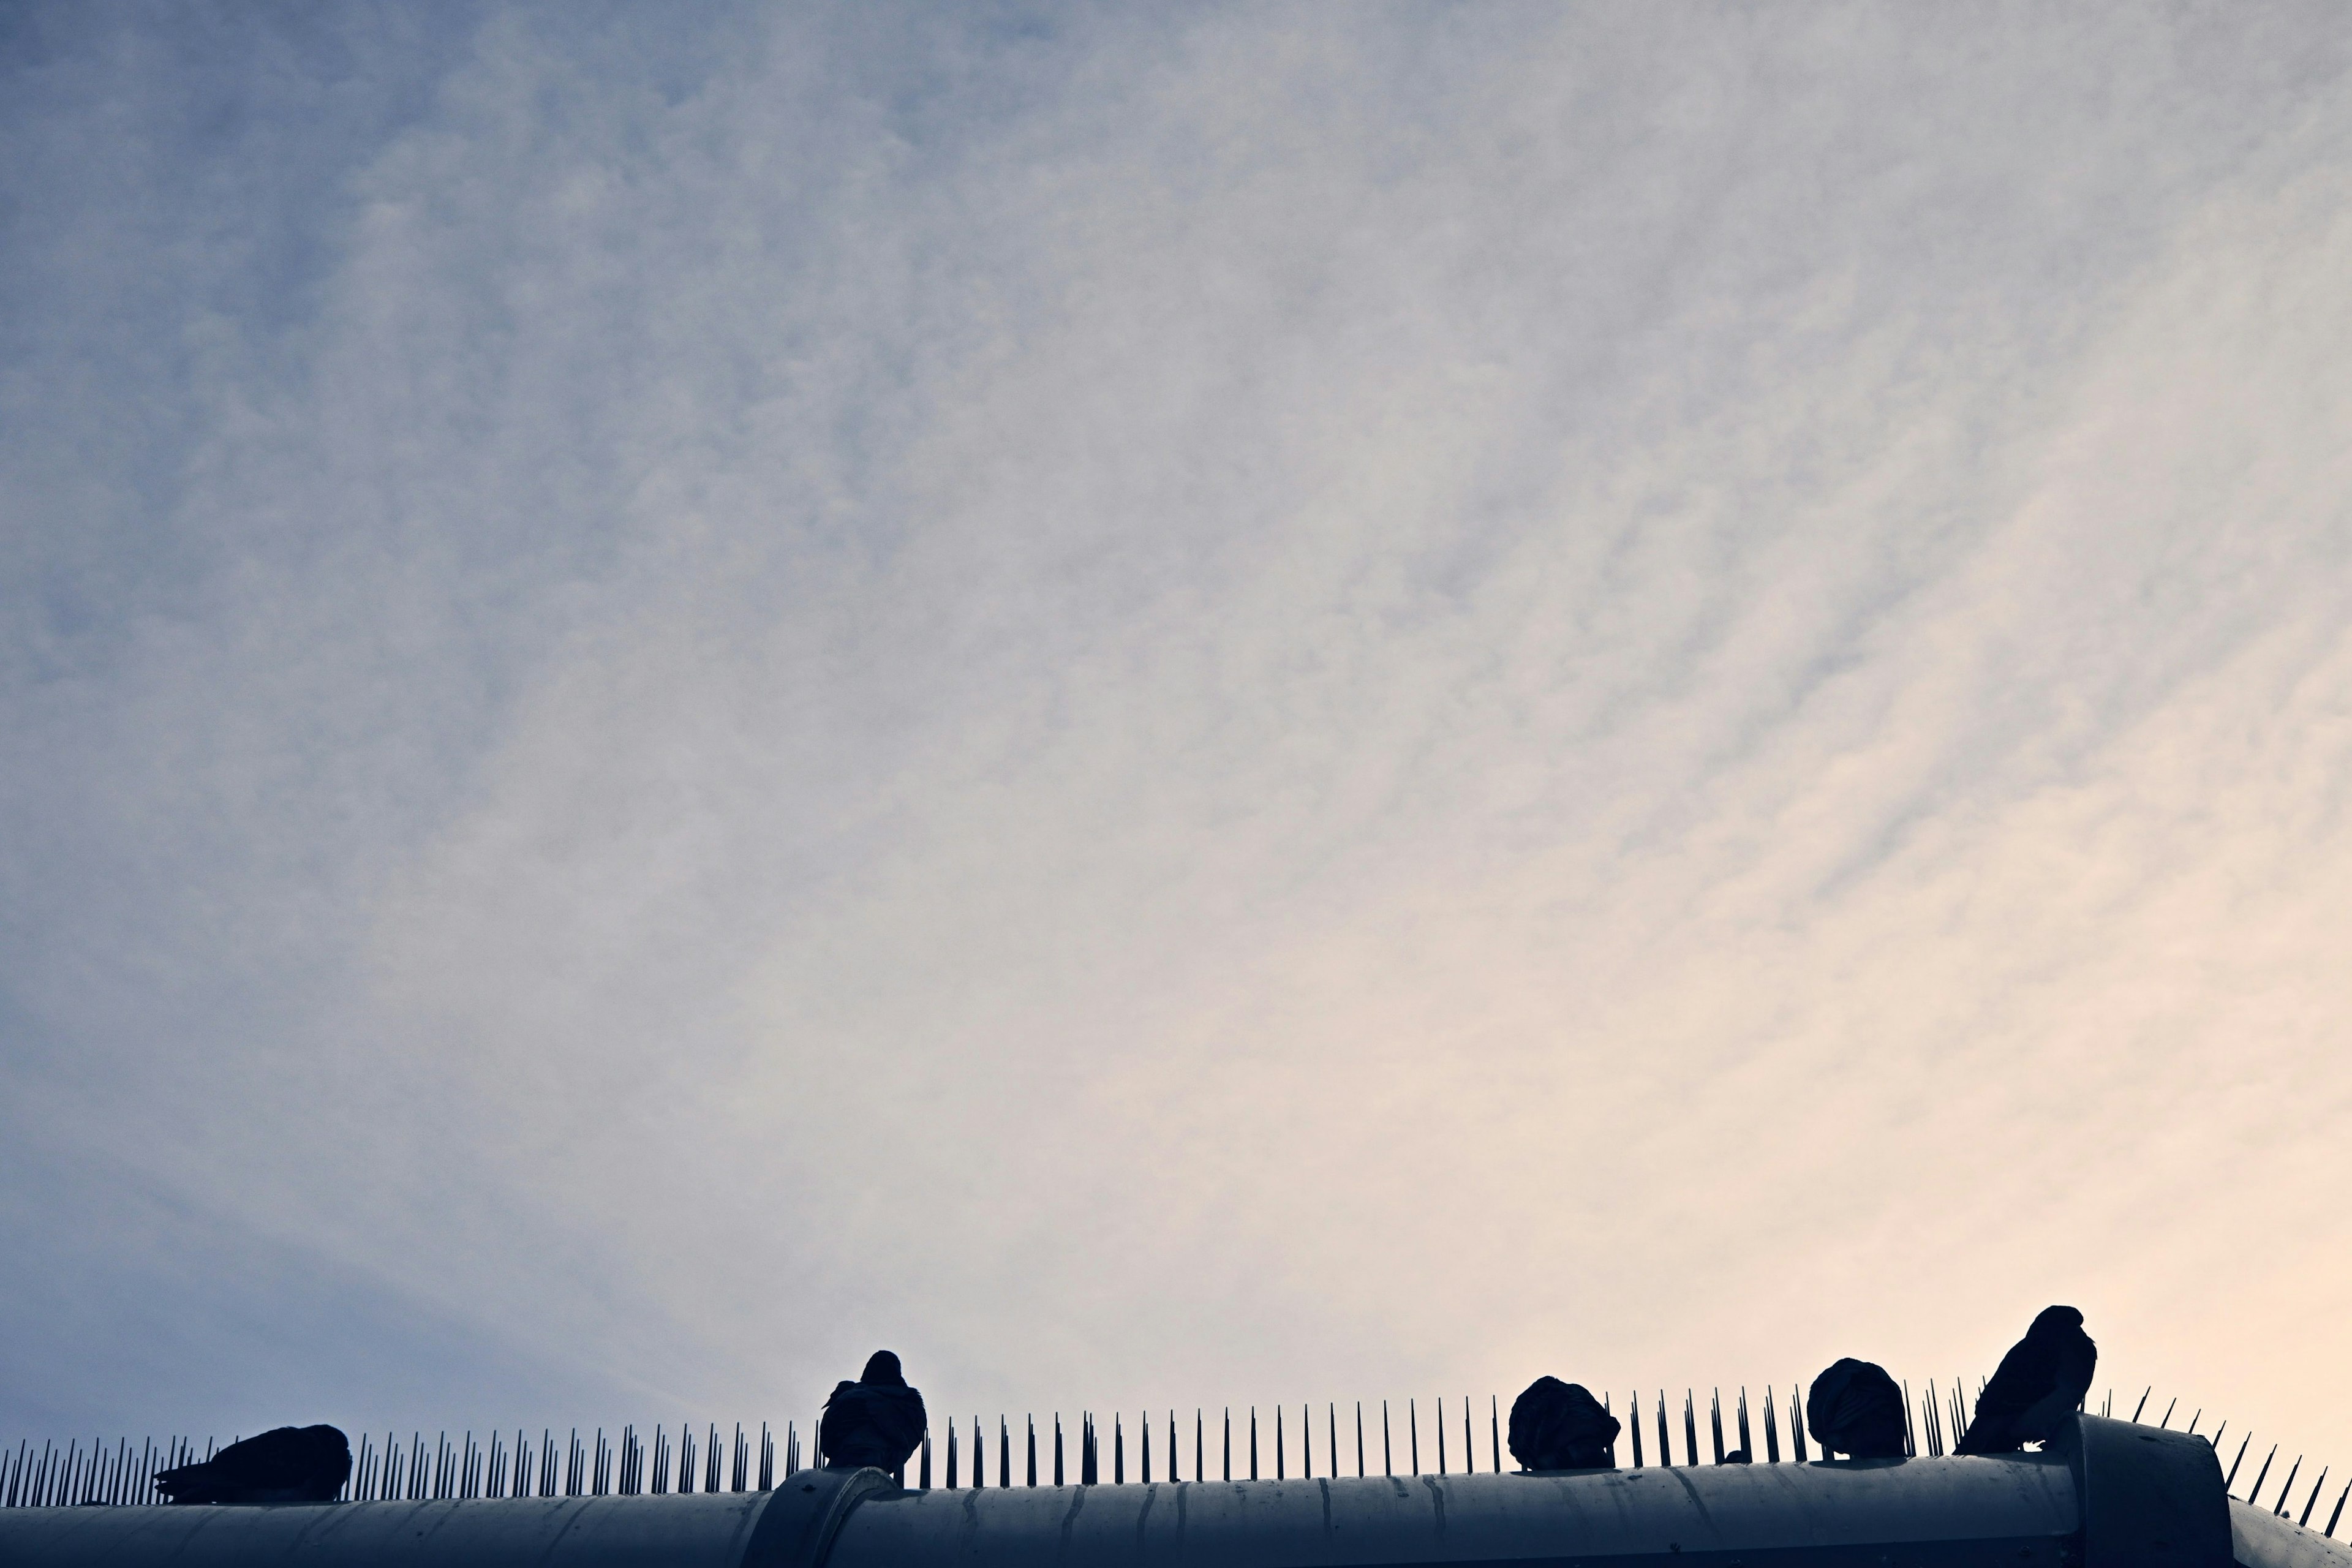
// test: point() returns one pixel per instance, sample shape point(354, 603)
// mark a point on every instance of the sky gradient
point(1168, 706)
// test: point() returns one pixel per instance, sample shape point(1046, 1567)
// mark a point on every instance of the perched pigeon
point(875, 1421)
point(292, 1464)
point(1559, 1425)
point(2036, 1387)
point(1855, 1409)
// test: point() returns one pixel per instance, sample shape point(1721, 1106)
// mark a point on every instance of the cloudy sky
point(1167, 705)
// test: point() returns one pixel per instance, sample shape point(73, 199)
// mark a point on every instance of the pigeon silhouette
point(1559, 1425)
point(1855, 1409)
point(2036, 1387)
point(290, 1464)
point(876, 1421)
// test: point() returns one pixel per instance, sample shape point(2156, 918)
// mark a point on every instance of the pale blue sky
point(1167, 705)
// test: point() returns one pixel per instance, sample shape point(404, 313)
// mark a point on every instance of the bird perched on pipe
point(290, 1464)
point(2036, 1388)
point(1559, 1425)
point(1854, 1409)
point(876, 1421)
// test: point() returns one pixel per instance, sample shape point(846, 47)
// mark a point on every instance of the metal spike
point(2287, 1491)
point(2265, 1471)
point(2166, 1425)
point(2236, 1462)
point(1665, 1448)
point(2143, 1402)
point(1633, 1419)
point(2304, 1522)
point(1359, 1437)
point(2330, 1531)
point(1413, 1430)
point(1388, 1465)
point(1690, 1428)
point(1441, 1434)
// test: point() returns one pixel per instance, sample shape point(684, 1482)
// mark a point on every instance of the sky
point(1170, 706)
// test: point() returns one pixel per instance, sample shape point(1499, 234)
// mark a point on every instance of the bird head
point(2055, 1320)
point(882, 1367)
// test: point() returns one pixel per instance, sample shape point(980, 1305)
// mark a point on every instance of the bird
point(1559, 1425)
point(1855, 1409)
point(876, 1421)
point(2037, 1387)
point(287, 1464)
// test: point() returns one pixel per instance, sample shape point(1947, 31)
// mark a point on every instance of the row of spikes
point(53, 1477)
point(591, 1468)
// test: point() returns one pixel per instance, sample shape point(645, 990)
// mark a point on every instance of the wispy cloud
point(1166, 707)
